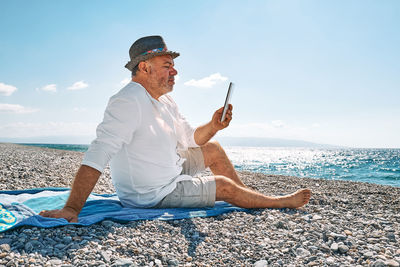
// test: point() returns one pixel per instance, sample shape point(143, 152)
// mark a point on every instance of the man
point(154, 153)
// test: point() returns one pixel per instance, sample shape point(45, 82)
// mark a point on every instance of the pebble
point(347, 232)
point(343, 248)
point(337, 227)
point(107, 224)
point(105, 256)
point(66, 240)
point(391, 237)
point(55, 262)
point(368, 254)
point(122, 263)
point(173, 262)
point(334, 247)
point(316, 217)
point(392, 263)
point(261, 263)
point(301, 252)
point(378, 263)
point(281, 225)
point(330, 260)
point(59, 246)
point(32, 245)
point(5, 247)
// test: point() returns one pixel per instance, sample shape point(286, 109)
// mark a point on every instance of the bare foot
point(296, 200)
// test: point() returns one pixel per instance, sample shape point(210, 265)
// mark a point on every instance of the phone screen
point(227, 101)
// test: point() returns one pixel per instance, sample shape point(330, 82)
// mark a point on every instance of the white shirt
point(140, 137)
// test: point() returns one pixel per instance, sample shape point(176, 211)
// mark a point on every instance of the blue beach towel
point(21, 207)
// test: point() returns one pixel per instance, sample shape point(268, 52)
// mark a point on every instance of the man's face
point(161, 74)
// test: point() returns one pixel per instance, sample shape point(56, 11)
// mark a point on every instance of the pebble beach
point(345, 224)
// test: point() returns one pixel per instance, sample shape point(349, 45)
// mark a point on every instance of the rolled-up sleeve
point(121, 118)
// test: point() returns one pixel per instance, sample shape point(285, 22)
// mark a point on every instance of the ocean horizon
point(372, 165)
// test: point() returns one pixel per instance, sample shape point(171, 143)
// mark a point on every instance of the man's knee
point(212, 147)
point(215, 144)
point(225, 187)
point(212, 151)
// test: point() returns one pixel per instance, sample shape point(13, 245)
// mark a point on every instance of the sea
point(378, 166)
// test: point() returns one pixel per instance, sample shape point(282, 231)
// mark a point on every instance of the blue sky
point(319, 71)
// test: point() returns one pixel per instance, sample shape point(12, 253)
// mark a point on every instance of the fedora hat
point(147, 47)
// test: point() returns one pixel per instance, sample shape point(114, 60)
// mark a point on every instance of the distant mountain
point(49, 139)
point(268, 142)
point(226, 141)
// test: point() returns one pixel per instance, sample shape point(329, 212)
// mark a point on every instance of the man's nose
point(173, 71)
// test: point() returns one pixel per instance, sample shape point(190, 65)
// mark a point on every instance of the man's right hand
point(67, 213)
point(83, 184)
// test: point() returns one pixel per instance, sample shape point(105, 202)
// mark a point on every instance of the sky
point(319, 71)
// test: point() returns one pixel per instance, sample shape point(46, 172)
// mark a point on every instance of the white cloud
point(278, 123)
point(78, 86)
point(207, 82)
point(78, 109)
point(49, 88)
point(22, 129)
point(13, 108)
point(6, 89)
point(125, 81)
point(177, 78)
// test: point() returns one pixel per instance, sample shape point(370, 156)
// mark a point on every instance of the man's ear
point(144, 67)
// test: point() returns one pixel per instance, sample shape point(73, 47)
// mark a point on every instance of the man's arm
point(204, 133)
point(84, 182)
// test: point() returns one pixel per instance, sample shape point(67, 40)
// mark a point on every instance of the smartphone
point(227, 101)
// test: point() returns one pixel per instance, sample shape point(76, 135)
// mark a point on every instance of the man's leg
point(231, 192)
point(231, 189)
point(216, 159)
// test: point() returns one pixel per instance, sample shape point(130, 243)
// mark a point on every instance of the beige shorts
point(194, 193)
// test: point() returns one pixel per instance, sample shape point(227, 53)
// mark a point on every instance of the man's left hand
point(216, 119)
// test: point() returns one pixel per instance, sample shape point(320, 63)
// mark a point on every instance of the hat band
point(156, 50)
